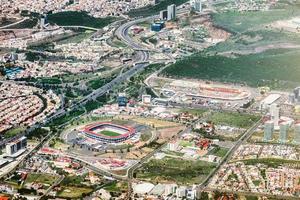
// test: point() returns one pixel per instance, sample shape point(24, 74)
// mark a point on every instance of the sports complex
point(108, 132)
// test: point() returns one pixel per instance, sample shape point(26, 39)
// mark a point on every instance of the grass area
point(145, 136)
point(79, 19)
point(154, 9)
point(110, 133)
point(155, 123)
point(186, 143)
point(255, 38)
point(74, 192)
point(99, 82)
point(92, 105)
point(277, 69)
point(237, 22)
point(28, 23)
point(239, 120)
point(116, 186)
point(197, 112)
point(76, 38)
point(66, 118)
point(175, 170)
point(271, 162)
point(13, 132)
point(219, 151)
point(37, 133)
point(40, 178)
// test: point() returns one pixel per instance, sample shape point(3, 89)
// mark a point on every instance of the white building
point(266, 102)
point(191, 193)
point(181, 192)
point(171, 12)
point(146, 99)
point(173, 146)
point(170, 189)
point(16, 147)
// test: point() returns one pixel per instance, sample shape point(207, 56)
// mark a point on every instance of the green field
point(13, 132)
point(73, 18)
point(79, 37)
point(238, 22)
point(151, 10)
point(239, 120)
point(219, 151)
point(110, 133)
point(74, 192)
point(277, 69)
point(175, 170)
point(41, 178)
point(198, 112)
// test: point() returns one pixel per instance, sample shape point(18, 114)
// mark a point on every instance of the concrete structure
point(43, 21)
point(157, 26)
point(274, 112)
point(122, 100)
point(173, 146)
point(146, 99)
point(297, 133)
point(284, 126)
point(13, 148)
point(143, 188)
point(163, 15)
point(266, 102)
point(171, 12)
point(268, 130)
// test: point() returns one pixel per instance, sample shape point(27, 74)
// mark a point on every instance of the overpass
point(83, 27)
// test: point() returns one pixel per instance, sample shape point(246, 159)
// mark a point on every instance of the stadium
point(204, 90)
point(108, 132)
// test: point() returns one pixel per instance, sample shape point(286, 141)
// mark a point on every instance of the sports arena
point(204, 90)
point(108, 132)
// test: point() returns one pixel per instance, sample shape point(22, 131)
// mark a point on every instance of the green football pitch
point(110, 133)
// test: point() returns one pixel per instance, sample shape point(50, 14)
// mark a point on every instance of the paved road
point(141, 63)
point(6, 27)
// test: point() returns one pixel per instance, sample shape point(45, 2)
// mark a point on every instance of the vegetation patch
point(175, 170)
point(274, 68)
point(239, 120)
point(79, 19)
point(154, 9)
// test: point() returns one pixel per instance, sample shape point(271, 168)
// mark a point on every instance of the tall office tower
point(171, 12)
point(274, 111)
point(196, 5)
point(43, 21)
point(297, 133)
point(268, 130)
point(297, 94)
point(284, 126)
point(163, 15)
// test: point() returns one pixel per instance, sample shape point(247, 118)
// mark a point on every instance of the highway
point(142, 61)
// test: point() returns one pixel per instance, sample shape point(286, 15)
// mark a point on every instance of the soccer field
point(109, 133)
